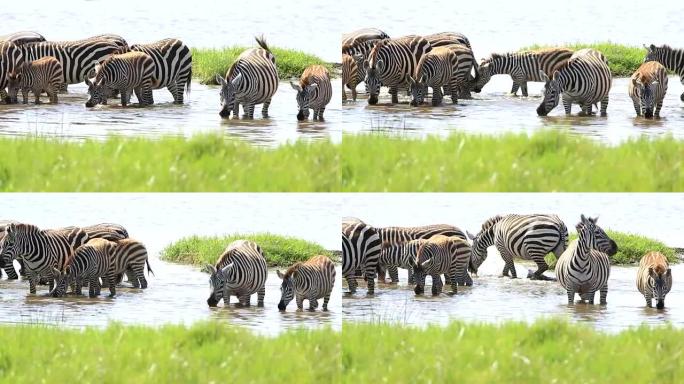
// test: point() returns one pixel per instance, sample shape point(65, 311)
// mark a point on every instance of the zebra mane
point(490, 222)
point(290, 271)
point(374, 51)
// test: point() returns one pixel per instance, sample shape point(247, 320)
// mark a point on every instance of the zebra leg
point(300, 302)
point(604, 106)
point(320, 114)
point(589, 297)
point(604, 294)
point(571, 297)
point(313, 304)
point(62, 88)
point(436, 285)
point(637, 108)
point(249, 111)
point(657, 111)
point(33, 279)
point(139, 271)
point(567, 105)
point(370, 279)
point(539, 273)
point(24, 96)
point(11, 273)
point(176, 92)
point(236, 109)
point(394, 93)
point(264, 109)
point(411, 277)
point(523, 88)
point(351, 282)
point(510, 266)
point(394, 273)
point(52, 94)
point(261, 293)
point(132, 278)
point(354, 93)
point(344, 94)
point(36, 94)
point(514, 88)
point(125, 97)
point(325, 301)
point(111, 278)
point(437, 96)
point(453, 280)
point(649, 300)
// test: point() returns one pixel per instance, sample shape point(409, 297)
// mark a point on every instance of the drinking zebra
point(360, 249)
point(389, 63)
point(393, 255)
point(36, 76)
point(126, 73)
point(529, 237)
point(445, 67)
point(314, 91)
point(251, 80)
point(583, 269)
point(441, 255)
point(671, 58)
point(240, 271)
point(654, 278)
point(90, 263)
point(584, 79)
point(23, 37)
point(172, 65)
point(521, 66)
point(310, 280)
point(41, 250)
point(352, 75)
point(10, 59)
point(647, 89)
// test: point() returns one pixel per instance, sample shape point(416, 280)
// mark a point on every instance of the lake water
point(176, 293)
point(495, 299)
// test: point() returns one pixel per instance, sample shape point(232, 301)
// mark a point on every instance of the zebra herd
point(241, 271)
point(109, 66)
point(90, 256)
point(445, 62)
point(582, 268)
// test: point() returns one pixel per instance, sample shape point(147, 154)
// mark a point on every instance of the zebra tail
point(149, 270)
point(188, 82)
point(262, 42)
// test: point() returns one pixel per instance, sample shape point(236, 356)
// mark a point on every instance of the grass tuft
point(279, 251)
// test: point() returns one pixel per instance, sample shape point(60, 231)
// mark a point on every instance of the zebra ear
point(668, 273)
point(280, 274)
point(220, 80)
point(652, 273)
point(380, 64)
point(210, 269)
point(544, 76)
point(237, 79)
point(470, 235)
point(56, 273)
point(295, 86)
point(227, 268)
point(583, 218)
point(652, 47)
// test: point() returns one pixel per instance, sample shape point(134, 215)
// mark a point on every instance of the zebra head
point(602, 242)
point(659, 285)
point(228, 90)
point(304, 95)
point(286, 288)
point(478, 251)
point(551, 91)
point(97, 90)
point(62, 279)
point(417, 89)
point(14, 83)
point(482, 76)
point(654, 53)
point(646, 96)
point(8, 245)
point(217, 283)
point(372, 80)
point(419, 274)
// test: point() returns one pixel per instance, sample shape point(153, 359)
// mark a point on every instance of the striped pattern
point(521, 66)
point(240, 271)
point(90, 263)
point(37, 76)
point(585, 79)
point(127, 73)
point(172, 65)
point(447, 67)
point(447, 38)
point(391, 63)
point(647, 89)
point(130, 257)
point(41, 250)
point(529, 237)
point(314, 91)
point(654, 278)
point(441, 255)
point(251, 80)
point(671, 58)
point(23, 37)
point(363, 35)
point(10, 58)
point(393, 255)
point(310, 280)
point(352, 75)
point(360, 249)
point(582, 269)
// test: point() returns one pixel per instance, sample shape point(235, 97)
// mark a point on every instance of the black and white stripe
point(130, 257)
point(654, 278)
point(90, 263)
point(447, 38)
point(363, 35)
point(240, 271)
point(441, 255)
point(35, 76)
point(172, 65)
point(23, 37)
point(310, 280)
point(585, 79)
point(10, 59)
point(447, 67)
point(352, 75)
point(314, 91)
point(671, 58)
point(251, 80)
point(360, 249)
point(583, 269)
point(126, 73)
point(399, 255)
point(647, 89)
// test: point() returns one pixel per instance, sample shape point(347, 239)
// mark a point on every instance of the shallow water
point(494, 299)
point(176, 293)
point(71, 119)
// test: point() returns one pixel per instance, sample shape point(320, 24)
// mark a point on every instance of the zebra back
point(585, 77)
point(361, 36)
point(312, 278)
point(447, 38)
point(400, 254)
point(172, 61)
point(249, 269)
point(391, 60)
point(258, 74)
point(404, 234)
point(23, 37)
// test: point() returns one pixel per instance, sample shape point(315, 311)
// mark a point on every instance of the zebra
point(441, 255)
point(314, 91)
point(23, 37)
point(582, 268)
point(584, 79)
point(310, 280)
point(393, 255)
point(240, 271)
point(37, 76)
point(352, 75)
point(363, 35)
point(116, 39)
point(10, 59)
point(172, 65)
point(446, 66)
point(389, 62)
point(130, 257)
point(521, 66)
point(671, 58)
point(529, 237)
point(251, 80)
point(126, 73)
point(360, 249)
point(41, 250)
point(654, 278)
point(647, 89)
point(90, 263)
point(447, 38)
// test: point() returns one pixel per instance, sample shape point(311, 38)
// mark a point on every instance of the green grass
point(623, 60)
point(207, 62)
point(631, 248)
point(203, 353)
point(550, 160)
point(280, 251)
point(549, 351)
point(170, 164)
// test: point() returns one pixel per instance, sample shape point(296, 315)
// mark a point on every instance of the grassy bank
point(551, 160)
point(280, 251)
point(550, 351)
point(207, 62)
point(201, 163)
point(623, 60)
point(203, 353)
point(631, 248)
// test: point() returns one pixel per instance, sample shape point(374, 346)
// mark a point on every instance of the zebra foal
point(310, 280)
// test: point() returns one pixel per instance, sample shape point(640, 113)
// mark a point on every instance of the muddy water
point(494, 111)
point(176, 293)
point(494, 299)
point(71, 119)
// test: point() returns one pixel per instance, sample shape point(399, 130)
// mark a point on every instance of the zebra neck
point(583, 249)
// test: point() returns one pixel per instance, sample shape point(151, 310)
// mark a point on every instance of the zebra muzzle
point(373, 99)
point(225, 113)
point(300, 115)
point(212, 302)
point(648, 114)
point(281, 305)
point(418, 290)
point(541, 111)
point(660, 304)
